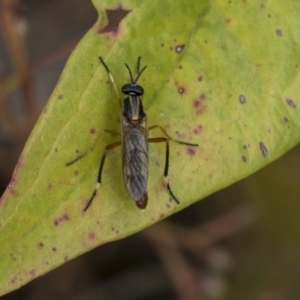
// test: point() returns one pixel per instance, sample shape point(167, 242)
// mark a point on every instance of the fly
point(134, 141)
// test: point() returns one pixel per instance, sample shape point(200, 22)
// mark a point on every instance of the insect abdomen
point(135, 161)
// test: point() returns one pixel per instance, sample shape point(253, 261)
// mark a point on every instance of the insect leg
point(166, 171)
point(92, 147)
point(107, 148)
point(111, 80)
point(169, 137)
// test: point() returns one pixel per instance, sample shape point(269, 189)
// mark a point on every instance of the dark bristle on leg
point(107, 148)
point(90, 201)
point(166, 140)
point(172, 194)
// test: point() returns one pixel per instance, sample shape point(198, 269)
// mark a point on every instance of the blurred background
point(240, 243)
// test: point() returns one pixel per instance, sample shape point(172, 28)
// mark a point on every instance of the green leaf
point(223, 74)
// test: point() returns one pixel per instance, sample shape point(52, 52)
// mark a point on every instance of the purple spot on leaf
point(114, 18)
point(92, 235)
point(190, 151)
point(242, 99)
point(291, 103)
point(263, 149)
point(199, 104)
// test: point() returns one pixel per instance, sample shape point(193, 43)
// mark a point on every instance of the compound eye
point(132, 89)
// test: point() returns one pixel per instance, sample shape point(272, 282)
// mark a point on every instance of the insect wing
point(135, 158)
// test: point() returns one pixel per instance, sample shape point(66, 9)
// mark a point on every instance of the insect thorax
point(133, 108)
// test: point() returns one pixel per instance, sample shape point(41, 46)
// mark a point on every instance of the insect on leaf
point(221, 74)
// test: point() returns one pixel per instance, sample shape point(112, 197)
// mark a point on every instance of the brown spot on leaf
point(41, 245)
point(179, 48)
point(278, 32)
point(15, 175)
point(54, 249)
point(181, 90)
point(11, 184)
point(198, 129)
point(60, 219)
point(244, 158)
point(60, 97)
point(114, 18)
point(93, 130)
point(32, 272)
point(180, 135)
point(200, 78)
